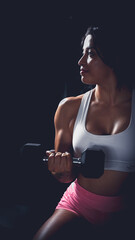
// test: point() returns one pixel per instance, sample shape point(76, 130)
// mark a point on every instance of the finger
point(51, 162)
point(58, 162)
point(69, 161)
point(63, 165)
point(58, 154)
point(48, 152)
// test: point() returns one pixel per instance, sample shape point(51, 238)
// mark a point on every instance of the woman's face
point(92, 68)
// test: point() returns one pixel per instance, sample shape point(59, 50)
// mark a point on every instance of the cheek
point(98, 67)
point(89, 61)
point(94, 66)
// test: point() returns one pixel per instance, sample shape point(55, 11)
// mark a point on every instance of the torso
point(112, 121)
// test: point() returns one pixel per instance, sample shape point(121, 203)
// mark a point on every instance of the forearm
point(65, 177)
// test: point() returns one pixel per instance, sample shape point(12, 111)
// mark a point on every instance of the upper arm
point(63, 134)
point(64, 122)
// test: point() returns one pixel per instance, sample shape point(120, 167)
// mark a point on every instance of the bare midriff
point(111, 183)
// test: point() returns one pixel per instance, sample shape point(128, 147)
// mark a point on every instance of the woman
point(102, 117)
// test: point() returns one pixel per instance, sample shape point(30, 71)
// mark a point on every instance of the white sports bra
point(119, 148)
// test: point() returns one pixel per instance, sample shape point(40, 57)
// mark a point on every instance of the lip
point(83, 71)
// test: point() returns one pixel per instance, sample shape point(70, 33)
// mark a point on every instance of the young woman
point(103, 117)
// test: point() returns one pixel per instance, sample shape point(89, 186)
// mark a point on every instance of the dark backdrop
point(40, 50)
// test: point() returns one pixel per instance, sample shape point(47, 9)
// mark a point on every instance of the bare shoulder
point(67, 109)
point(69, 102)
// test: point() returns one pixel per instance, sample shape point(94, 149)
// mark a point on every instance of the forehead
point(88, 42)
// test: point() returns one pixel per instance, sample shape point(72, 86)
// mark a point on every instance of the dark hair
point(114, 47)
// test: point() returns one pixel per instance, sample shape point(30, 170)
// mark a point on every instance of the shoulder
point(70, 101)
point(67, 109)
point(70, 105)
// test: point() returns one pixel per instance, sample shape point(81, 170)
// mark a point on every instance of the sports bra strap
point(82, 113)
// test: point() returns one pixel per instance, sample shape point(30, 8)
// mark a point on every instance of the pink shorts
point(95, 208)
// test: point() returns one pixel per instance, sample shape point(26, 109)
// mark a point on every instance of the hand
point(59, 163)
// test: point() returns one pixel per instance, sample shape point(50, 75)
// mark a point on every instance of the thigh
point(59, 225)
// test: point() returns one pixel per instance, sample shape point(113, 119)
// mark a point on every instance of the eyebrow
point(89, 48)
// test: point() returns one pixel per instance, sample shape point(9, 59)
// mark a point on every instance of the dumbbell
point(90, 164)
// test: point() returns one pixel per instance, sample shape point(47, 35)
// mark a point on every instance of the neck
point(111, 94)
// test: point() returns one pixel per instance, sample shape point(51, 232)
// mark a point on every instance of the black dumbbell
point(91, 163)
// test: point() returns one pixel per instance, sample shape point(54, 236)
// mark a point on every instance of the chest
point(105, 120)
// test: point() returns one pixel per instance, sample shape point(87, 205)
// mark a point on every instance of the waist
point(111, 183)
point(99, 202)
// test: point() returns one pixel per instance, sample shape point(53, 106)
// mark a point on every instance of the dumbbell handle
point(91, 162)
point(76, 161)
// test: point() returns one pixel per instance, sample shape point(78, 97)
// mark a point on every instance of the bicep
point(63, 140)
point(63, 135)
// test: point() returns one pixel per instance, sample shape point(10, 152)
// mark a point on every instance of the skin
point(107, 100)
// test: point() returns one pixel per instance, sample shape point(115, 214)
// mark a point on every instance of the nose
point(81, 60)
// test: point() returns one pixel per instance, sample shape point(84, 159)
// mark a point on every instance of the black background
point(40, 50)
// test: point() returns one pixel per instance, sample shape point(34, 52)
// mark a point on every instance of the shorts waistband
point(99, 202)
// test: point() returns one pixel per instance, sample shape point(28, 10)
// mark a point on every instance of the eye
point(91, 53)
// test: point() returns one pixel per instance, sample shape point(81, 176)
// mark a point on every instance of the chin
point(87, 81)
